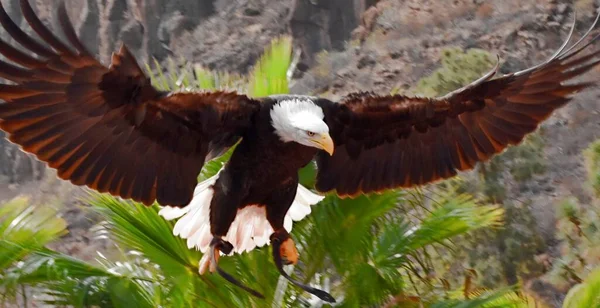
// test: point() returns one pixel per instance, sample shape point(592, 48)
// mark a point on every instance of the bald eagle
point(108, 128)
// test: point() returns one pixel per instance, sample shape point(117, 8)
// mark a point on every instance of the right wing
point(397, 141)
point(108, 128)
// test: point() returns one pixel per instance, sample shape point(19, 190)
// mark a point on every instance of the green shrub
point(459, 68)
point(592, 163)
point(578, 229)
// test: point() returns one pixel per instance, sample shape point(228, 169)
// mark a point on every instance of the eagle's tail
point(249, 230)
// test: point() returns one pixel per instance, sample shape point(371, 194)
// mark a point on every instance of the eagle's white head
point(301, 120)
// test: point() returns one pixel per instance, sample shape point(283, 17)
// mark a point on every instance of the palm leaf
point(67, 281)
point(585, 294)
point(503, 298)
point(140, 228)
point(454, 216)
point(25, 261)
point(270, 72)
point(25, 228)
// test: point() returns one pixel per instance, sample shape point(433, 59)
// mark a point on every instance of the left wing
point(107, 127)
point(384, 142)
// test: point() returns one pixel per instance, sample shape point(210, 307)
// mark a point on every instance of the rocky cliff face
point(324, 24)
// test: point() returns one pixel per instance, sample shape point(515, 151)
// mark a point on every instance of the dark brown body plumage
point(263, 171)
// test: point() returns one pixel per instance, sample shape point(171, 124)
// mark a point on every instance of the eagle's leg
point(278, 240)
point(281, 242)
point(223, 209)
point(287, 249)
point(278, 205)
point(218, 245)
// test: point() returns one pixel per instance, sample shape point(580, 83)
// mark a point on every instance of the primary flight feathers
point(109, 129)
point(399, 141)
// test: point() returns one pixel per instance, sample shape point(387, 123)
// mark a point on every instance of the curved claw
point(276, 243)
point(220, 245)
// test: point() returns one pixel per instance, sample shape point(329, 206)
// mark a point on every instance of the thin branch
point(412, 282)
point(24, 296)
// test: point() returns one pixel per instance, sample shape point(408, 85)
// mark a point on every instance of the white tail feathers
point(249, 230)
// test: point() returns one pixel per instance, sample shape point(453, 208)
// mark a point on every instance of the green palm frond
point(64, 280)
point(388, 241)
point(455, 215)
point(182, 75)
point(510, 297)
point(269, 75)
point(504, 298)
point(26, 228)
point(140, 228)
point(585, 294)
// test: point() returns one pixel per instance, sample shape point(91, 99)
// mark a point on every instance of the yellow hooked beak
point(324, 142)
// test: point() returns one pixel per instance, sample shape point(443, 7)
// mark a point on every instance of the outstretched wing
point(108, 128)
point(385, 142)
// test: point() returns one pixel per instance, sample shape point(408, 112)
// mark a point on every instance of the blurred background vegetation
point(477, 240)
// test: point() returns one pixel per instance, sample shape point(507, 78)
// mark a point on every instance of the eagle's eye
point(310, 134)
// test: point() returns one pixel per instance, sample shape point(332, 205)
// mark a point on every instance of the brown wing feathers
point(398, 141)
point(108, 128)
